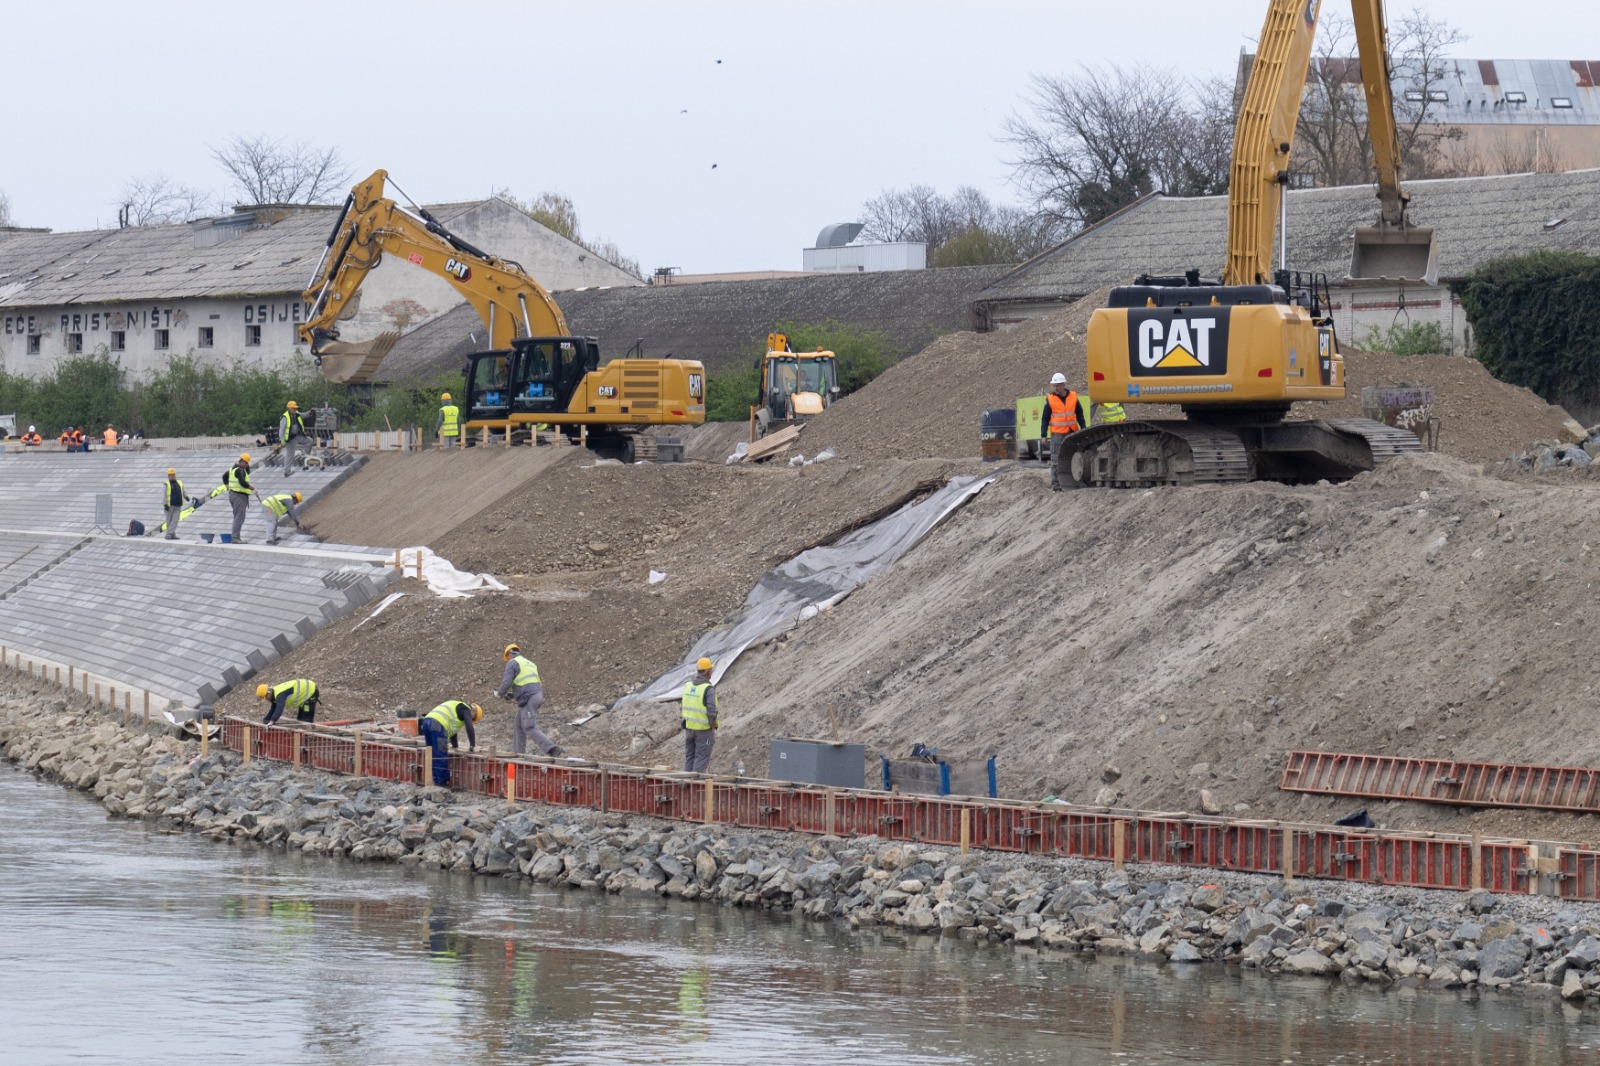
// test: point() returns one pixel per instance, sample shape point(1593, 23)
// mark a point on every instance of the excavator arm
point(511, 303)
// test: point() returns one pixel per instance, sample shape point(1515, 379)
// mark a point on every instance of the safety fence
point(1450, 781)
point(1120, 837)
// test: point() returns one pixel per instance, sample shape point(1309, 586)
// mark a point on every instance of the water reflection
point(128, 946)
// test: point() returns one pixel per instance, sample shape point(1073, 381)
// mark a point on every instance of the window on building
point(74, 342)
point(1414, 95)
point(252, 336)
point(163, 339)
point(1561, 101)
point(208, 337)
point(33, 344)
point(119, 340)
point(1514, 97)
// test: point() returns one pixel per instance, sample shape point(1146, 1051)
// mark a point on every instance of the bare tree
point(156, 199)
point(5, 211)
point(556, 212)
point(1099, 140)
point(888, 217)
point(964, 229)
point(1420, 76)
point(268, 171)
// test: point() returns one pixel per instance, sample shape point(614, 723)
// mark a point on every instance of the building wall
point(260, 331)
point(863, 258)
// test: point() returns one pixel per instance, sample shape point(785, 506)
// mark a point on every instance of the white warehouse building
point(230, 287)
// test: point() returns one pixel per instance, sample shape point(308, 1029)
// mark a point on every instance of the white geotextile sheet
point(813, 581)
point(443, 578)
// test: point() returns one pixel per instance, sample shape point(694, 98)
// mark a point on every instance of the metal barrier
point(1460, 784)
point(1442, 861)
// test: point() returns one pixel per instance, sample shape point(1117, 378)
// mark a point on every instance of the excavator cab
point(536, 375)
point(1387, 252)
point(795, 386)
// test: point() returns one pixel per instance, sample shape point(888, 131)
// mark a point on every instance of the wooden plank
point(770, 445)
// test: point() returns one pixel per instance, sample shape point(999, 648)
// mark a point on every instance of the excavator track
point(1386, 442)
point(1135, 454)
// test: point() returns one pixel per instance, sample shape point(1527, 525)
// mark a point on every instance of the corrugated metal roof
point(1484, 92)
point(160, 263)
point(723, 323)
point(1475, 219)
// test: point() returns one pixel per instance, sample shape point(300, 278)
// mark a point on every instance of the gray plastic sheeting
point(812, 581)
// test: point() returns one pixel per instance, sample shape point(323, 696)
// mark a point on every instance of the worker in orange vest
point(80, 443)
point(109, 437)
point(31, 439)
point(1060, 420)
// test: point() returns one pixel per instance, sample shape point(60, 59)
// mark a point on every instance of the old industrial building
point(230, 287)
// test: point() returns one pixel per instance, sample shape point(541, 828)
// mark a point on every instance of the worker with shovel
point(699, 705)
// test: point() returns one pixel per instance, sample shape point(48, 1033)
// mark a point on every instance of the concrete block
point(257, 661)
point(280, 644)
point(306, 628)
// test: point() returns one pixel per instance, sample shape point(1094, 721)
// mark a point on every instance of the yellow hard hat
point(262, 690)
point(477, 714)
point(703, 665)
point(510, 650)
point(293, 406)
point(297, 497)
point(172, 471)
point(244, 457)
point(444, 396)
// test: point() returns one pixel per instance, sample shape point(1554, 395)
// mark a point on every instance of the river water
point(125, 946)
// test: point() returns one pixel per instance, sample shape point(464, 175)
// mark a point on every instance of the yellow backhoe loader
point(795, 386)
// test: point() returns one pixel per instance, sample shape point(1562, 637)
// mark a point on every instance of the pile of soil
point(1105, 645)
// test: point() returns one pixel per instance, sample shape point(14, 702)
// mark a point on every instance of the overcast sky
point(706, 136)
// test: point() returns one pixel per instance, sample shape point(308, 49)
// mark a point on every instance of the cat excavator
point(533, 373)
point(1236, 352)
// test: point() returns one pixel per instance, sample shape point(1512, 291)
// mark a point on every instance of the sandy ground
point(1149, 643)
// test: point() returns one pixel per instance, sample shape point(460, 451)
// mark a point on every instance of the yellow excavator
point(533, 373)
point(1236, 352)
point(795, 386)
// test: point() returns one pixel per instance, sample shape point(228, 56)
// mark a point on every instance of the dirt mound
point(932, 403)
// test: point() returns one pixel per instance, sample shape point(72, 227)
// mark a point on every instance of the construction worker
point(79, 443)
point(521, 682)
point(109, 437)
point(699, 705)
point(275, 508)
point(299, 696)
point(292, 435)
point(448, 427)
point(1107, 413)
point(237, 479)
point(1060, 420)
point(172, 500)
point(444, 722)
point(65, 440)
point(31, 439)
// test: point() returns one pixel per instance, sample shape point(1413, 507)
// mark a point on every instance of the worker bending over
point(292, 435)
point(521, 682)
point(443, 723)
point(699, 706)
point(275, 509)
point(299, 696)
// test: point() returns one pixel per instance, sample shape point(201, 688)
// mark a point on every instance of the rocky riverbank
point(1355, 932)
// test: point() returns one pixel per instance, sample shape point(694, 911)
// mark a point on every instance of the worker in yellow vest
point(172, 499)
point(699, 707)
point(448, 427)
point(299, 696)
point(521, 682)
point(1059, 421)
point(1106, 414)
point(442, 724)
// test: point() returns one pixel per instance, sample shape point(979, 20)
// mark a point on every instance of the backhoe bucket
point(354, 362)
point(1394, 253)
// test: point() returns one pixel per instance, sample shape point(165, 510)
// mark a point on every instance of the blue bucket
point(207, 537)
point(226, 538)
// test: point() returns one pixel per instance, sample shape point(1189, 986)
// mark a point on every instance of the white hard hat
point(1058, 379)
point(32, 430)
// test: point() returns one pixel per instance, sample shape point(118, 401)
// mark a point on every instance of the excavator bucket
point(1394, 253)
point(354, 362)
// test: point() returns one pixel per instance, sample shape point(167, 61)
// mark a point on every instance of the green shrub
point(1412, 338)
point(731, 393)
point(1533, 318)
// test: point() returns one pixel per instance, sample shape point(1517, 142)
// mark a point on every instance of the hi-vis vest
point(300, 692)
point(451, 426)
point(1063, 412)
point(279, 504)
point(694, 705)
point(236, 482)
point(527, 673)
point(166, 493)
point(1109, 412)
point(448, 714)
point(291, 425)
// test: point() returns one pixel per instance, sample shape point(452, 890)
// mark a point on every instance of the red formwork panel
point(274, 742)
point(1504, 866)
point(763, 805)
point(1082, 835)
point(677, 797)
point(1580, 873)
point(394, 762)
point(483, 774)
point(1424, 863)
point(1334, 855)
point(325, 752)
point(559, 784)
point(629, 793)
point(1177, 841)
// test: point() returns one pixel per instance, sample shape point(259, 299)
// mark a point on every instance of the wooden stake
point(294, 746)
point(1119, 843)
point(1288, 854)
point(711, 799)
point(205, 739)
point(72, 682)
point(246, 742)
point(511, 783)
point(829, 812)
point(147, 708)
point(96, 690)
point(834, 722)
point(1477, 861)
point(966, 830)
point(358, 754)
point(605, 790)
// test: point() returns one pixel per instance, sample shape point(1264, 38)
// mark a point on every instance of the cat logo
point(696, 386)
point(607, 392)
point(457, 269)
point(1177, 341)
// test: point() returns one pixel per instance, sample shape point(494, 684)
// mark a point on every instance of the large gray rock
point(1309, 962)
point(1502, 958)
